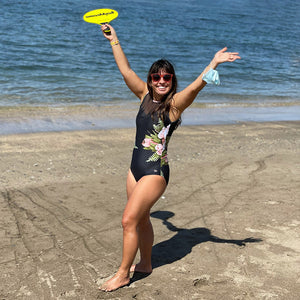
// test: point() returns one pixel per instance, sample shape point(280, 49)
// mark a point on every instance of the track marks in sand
point(48, 242)
point(56, 215)
point(225, 176)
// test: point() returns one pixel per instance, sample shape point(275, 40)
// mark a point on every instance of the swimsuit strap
point(145, 97)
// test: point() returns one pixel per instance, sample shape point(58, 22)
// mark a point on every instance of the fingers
point(104, 27)
point(223, 50)
point(233, 56)
point(233, 59)
point(230, 56)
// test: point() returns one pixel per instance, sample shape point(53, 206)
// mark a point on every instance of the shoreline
point(15, 120)
point(227, 223)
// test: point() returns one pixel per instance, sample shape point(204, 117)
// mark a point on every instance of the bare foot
point(115, 283)
point(141, 268)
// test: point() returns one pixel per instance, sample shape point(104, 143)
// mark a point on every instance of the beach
point(227, 226)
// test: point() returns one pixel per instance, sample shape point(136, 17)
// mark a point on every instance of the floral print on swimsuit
point(157, 142)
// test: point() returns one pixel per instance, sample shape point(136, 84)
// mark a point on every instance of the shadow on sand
point(181, 244)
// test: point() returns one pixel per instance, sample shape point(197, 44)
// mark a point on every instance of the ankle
point(123, 273)
point(145, 264)
point(142, 267)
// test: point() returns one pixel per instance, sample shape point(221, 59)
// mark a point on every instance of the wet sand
point(226, 228)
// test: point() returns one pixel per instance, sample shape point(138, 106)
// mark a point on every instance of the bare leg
point(145, 232)
point(137, 209)
point(146, 238)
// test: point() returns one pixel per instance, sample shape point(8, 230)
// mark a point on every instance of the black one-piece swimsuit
point(149, 155)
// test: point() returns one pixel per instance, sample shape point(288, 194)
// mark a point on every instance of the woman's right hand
point(112, 36)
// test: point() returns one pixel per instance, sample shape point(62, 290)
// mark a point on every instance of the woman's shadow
point(182, 243)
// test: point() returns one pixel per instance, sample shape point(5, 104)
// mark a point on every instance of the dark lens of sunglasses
point(167, 77)
point(155, 77)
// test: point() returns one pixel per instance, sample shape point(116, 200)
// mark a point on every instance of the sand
point(226, 228)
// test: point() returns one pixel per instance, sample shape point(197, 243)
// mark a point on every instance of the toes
point(104, 288)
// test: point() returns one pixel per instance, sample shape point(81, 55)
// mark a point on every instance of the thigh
point(143, 196)
point(130, 184)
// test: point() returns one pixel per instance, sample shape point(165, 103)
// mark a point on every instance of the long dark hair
point(164, 107)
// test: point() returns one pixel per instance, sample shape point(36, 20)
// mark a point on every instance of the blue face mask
point(212, 76)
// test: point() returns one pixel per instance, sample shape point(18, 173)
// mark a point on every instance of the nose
point(161, 79)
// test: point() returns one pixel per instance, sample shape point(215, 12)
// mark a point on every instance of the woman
point(159, 115)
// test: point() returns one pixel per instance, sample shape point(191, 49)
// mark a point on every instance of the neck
point(157, 98)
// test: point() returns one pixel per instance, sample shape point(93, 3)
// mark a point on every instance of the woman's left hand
point(223, 56)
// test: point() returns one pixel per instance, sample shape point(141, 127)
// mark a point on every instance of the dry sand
point(226, 228)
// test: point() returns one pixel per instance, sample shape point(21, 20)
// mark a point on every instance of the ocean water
point(51, 59)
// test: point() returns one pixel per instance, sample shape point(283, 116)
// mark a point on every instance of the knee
point(128, 222)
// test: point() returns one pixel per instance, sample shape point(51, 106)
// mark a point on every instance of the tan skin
point(137, 228)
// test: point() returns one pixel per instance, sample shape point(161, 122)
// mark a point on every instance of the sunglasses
point(166, 77)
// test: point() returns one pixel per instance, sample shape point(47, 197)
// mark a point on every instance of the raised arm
point(185, 98)
point(133, 81)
